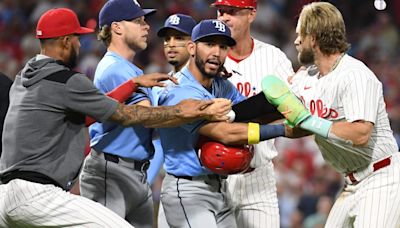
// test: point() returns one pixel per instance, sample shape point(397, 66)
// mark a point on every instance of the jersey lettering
point(317, 106)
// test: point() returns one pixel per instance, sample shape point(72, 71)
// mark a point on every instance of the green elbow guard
point(278, 94)
point(317, 125)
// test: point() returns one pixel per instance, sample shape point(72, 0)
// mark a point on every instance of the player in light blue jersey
point(176, 34)
point(191, 194)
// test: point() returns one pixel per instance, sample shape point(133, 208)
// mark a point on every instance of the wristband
point(271, 131)
point(317, 125)
point(253, 133)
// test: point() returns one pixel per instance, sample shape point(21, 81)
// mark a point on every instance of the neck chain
point(333, 67)
point(336, 62)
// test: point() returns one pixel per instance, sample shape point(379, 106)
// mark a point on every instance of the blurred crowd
point(306, 185)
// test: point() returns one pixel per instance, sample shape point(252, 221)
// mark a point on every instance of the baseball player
point(114, 173)
point(253, 195)
point(191, 195)
point(176, 34)
point(44, 136)
point(349, 120)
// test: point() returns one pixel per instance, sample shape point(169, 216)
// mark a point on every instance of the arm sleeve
point(361, 96)
point(254, 107)
point(114, 77)
point(81, 96)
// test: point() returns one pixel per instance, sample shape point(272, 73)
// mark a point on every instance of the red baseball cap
point(236, 3)
point(59, 22)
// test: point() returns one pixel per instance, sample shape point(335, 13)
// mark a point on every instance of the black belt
point(28, 176)
point(141, 166)
point(210, 176)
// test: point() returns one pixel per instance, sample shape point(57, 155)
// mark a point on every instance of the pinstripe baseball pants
point(29, 204)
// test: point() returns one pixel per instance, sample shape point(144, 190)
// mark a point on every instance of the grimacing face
point(175, 47)
point(210, 56)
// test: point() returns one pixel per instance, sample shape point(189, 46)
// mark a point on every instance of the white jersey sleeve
point(361, 95)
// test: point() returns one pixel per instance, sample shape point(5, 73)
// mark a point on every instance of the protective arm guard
point(278, 94)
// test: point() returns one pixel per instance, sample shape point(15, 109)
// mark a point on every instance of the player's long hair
point(324, 21)
point(105, 35)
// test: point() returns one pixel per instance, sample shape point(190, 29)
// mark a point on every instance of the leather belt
point(141, 166)
point(375, 167)
point(203, 177)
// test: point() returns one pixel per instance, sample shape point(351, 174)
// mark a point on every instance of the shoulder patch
point(61, 76)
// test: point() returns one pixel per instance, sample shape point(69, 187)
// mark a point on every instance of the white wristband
point(231, 115)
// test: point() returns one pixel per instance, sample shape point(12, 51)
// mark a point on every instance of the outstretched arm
point(125, 90)
point(170, 116)
point(356, 133)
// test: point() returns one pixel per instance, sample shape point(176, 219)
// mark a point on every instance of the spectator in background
point(318, 219)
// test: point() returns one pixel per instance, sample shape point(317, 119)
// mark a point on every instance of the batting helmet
point(225, 160)
point(236, 3)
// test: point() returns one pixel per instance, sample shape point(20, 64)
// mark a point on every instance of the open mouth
point(213, 64)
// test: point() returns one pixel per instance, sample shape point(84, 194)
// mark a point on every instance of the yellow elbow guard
point(253, 133)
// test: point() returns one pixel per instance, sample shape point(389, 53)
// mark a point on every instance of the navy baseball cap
point(120, 10)
point(212, 27)
point(180, 22)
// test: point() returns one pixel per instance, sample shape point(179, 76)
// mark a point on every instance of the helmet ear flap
point(225, 160)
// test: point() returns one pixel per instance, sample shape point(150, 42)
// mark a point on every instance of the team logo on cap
point(174, 20)
point(220, 26)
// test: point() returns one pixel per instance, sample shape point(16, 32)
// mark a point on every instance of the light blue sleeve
point(178, 94)
point(114, 76)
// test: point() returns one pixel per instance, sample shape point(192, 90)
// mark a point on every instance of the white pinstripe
point(374, 202)
point(254, 194)
point(28, 204)
point(352, 92)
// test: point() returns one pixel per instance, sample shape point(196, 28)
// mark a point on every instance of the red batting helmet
point(236, 3)
point(225, 160)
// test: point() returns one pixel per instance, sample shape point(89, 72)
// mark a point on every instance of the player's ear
point(65, 41)
point(116, 28)
point(191, 47)
point(252, 15)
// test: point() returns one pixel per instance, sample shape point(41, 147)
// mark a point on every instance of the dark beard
point(201, 66)
point(73, 59)
point(306, 57)
point(173, 62)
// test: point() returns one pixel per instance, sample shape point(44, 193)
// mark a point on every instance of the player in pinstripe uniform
point(349, 120)
point(253, 194)
point(44, 137)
